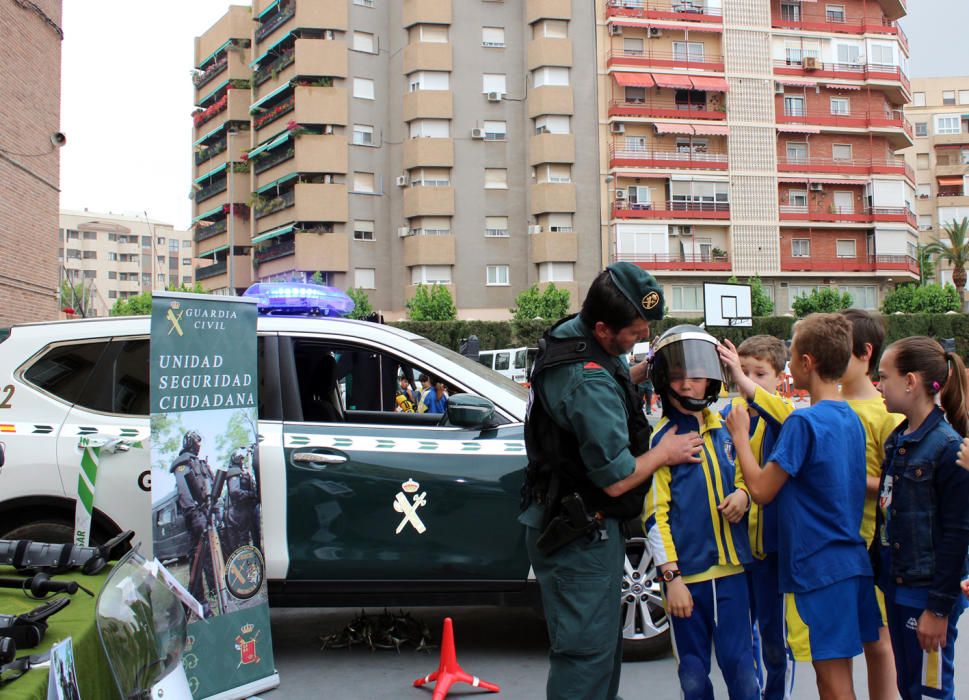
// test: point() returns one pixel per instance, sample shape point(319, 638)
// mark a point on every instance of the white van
point(514, 363)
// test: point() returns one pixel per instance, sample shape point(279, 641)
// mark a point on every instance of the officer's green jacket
point(585, 400)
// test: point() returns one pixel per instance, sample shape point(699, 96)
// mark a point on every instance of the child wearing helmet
point(695, 523)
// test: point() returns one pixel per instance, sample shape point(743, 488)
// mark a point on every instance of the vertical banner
point(206, 511)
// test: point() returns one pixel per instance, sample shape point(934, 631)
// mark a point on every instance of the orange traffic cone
point(449, 671)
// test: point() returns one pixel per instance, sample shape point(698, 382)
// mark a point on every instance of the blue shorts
point(832, 622)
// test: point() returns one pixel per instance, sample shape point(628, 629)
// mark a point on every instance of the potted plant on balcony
point(719, 255)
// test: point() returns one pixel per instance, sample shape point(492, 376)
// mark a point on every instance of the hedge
point(509, 334)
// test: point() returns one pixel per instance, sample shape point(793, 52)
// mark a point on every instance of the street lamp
point(230, 263)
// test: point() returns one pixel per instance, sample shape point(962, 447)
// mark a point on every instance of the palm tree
point(955, 251)
point(926, 265)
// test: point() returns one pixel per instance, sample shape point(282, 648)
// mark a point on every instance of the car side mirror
point(470, 411)
point(2, 448)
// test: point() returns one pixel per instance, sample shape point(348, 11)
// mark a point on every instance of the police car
point(335, 460)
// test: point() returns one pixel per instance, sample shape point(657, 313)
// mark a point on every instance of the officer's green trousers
point(581, 585)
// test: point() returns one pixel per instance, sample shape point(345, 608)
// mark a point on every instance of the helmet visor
point(691, 357)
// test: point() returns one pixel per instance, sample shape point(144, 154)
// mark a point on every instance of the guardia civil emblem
point(650, 301)
point(409, 506)
point(244, 572)
point(175, 319)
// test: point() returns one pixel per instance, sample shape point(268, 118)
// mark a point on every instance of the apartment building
point(940, 157)
point(385, 145)
point(109, 257)
point(757, 138)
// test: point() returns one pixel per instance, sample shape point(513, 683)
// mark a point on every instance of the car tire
point(52, 532)
point(645, 625)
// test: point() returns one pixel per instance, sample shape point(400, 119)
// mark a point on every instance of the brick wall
point(855, 10)
point(823, 242)
point(859, 101)
point(863, 148)
point(30, 83)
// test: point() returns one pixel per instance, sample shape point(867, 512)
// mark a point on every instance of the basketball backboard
point(727, 305)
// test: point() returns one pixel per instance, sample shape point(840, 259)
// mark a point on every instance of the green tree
point(167, 431)
point(432, 303)
point(925, 263)
point(824, 300)
point(239, 432)
point(551, 303)
point(361, 303)
point(955, 251)
point(761, 304)
point(927, 299)
point(140, 304)
point(78, 296)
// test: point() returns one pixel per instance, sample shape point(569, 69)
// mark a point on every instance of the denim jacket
point(928, 516)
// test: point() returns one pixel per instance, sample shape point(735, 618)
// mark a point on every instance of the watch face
point(244, 572)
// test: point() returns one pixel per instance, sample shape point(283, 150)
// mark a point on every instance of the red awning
point(835, 86)
point(791, 82)
point(956, 146)
point(670, 128)
point(673, 81)
point(798, 129)
point(711, 129)
point(805, 178)
point(689, 27)
point(950, 181)
point(628, 23)
point(634, 79)
point(709, 84)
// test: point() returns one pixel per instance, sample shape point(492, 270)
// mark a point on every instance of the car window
point(520, 359)
point(64, 371)
point(513, 388)
point(119, 383)
point(501, 360)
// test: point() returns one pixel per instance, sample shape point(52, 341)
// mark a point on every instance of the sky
point(126, 96)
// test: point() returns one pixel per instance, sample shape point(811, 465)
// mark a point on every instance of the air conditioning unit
point(811, 63)
point(494, 96)
point(655, 32)
point(778, 89)
point(816, 187)
point(615, 30)
point(620, 195)
point(403, 232)
point(477, 133)
point(617, 128)
point(534, 229)
point(684, 230)
point(402, 180)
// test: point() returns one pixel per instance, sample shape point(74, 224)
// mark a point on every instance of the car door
point(379, 495)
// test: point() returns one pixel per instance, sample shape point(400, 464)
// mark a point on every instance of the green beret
point(640, 288)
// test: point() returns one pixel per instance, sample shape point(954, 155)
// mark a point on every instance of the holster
point(571, 524)
point(27, 630)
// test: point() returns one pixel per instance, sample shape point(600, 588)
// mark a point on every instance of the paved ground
point(505, 646)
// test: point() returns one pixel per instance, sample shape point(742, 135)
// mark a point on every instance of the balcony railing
point(848, 71)
point(277, 203)
point(854, 24)
point(647, 9)
point(268, 70)
point(661, 261)
point(430, 232)
point(845, 166)
point(204, 232)
point(268, 159)
point(275, 112)
point(204, 273)
point(674, 210)
point(665, 59)
point(854, 120)
point(206, 76)
point(861, 263)
point(793, 212)
point(283, 15)
point(273, 252)
point(204, 154)
point(211, 189)
point(631, 155)
point(663, 109)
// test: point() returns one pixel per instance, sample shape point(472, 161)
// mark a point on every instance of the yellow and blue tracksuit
point(684, 525)
point(775, 668)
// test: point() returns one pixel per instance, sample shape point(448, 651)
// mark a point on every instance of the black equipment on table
point(57, 558)
point(27, 629)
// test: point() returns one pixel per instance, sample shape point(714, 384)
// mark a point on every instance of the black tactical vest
point(555, 468)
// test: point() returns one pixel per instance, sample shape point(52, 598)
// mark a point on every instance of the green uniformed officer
point(588, 471)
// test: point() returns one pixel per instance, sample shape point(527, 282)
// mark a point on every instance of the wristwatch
point(670, 574)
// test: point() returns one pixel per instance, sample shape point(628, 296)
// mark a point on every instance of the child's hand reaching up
point(965, 587)
point(738, 423)
point(734, 506)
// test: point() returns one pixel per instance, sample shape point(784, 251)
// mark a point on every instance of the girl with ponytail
point(922, 529)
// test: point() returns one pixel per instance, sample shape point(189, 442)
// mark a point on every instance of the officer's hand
point(679, 602)
point(962, 459)
point(734, 506)
point(738, 423)
point(931, 631)
point(680, 449)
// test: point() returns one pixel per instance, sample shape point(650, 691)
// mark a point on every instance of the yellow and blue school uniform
point(684, 525)
point(823, 563)
point(775, 668)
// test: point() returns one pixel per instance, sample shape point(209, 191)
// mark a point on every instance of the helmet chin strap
point(690, 403)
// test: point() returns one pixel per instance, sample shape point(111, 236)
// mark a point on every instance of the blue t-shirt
point(822, 448)
point(435, 405)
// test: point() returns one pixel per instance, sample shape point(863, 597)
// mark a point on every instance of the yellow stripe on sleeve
point(658, 506)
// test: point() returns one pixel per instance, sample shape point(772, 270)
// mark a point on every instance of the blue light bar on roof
point(300, 298)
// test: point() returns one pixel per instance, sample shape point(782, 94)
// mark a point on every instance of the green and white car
point(334, 458)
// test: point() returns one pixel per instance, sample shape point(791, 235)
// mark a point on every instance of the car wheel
point(52, 532)
point(645, 626)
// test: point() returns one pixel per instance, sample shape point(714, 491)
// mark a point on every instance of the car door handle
point(108, 444)
point(318, 459)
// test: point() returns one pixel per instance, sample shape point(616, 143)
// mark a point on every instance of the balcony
point(893, 120)
point(853, 24)
point(429, 250)
point(664, 59)
point(321, 105)
point(842, 215)
point(430, 152)
point(673, 210)
point(204, 232)
point(552, 197)
point(428, 201)
point(684, 262)
point(426, 12)
point(309, 153)
point(848, 71)
point(428, 104)
point(696, 11)
point(547, 9)
point(305, 57)
point(874, 166)
point(204, 273)
point(642, 157)
point(233, 106)
point(551, 148)
point(549, 52)
point(869, 263)
point(661, 108)
point(273, 251)
point(297, 13)
point(550, 99)
point(427, 56)
point(305, 202)
point(951, 139)
point(553, 246)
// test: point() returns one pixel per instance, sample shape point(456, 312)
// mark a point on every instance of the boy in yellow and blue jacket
point(695, 524)
point(756, 367)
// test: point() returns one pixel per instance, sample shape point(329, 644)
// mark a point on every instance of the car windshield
point(476, 368)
